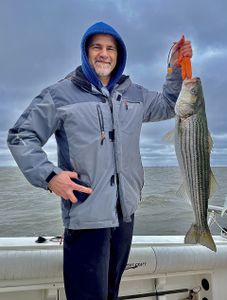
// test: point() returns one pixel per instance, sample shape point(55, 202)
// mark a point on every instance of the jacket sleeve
point(160, 106)
point(28, 136)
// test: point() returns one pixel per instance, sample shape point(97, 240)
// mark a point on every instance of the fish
point(193, 145)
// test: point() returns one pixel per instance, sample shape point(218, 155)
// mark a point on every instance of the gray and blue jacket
point(97, 131)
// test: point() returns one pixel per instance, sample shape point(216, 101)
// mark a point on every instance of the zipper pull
point(101, 123)
point(126, 104)
point(102, 137)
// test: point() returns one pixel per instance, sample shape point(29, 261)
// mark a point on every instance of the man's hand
point(62, 185)
point(185, 48)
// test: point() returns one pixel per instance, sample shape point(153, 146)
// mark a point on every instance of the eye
point(95, 47)
point(111, 49)
point(194, 91)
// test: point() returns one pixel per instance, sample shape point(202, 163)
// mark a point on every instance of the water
point(29, 211)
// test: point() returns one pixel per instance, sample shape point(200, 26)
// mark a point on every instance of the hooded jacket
point(97, 132)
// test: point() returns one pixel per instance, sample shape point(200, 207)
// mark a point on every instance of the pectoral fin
point(210, 143)
point(182, 193)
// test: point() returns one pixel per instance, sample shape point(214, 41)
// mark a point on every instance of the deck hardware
point(205, 284)
point(40, 240)
point(212, 217)
point(153, 294)
point(192, 293)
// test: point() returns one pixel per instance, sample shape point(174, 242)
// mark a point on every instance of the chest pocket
point(86, 122)
point(130, 116)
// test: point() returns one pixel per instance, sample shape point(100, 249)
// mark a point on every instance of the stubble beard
point(103, 70)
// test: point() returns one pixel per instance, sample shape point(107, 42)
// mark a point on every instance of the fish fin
point(210, 143)
point(169, 136)
point(203, 237)
point(182, 193)
point(206, 239)
point(213, 184)
point(191, 236)
point(224, 207)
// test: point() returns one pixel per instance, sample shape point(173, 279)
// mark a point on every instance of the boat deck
point(157, 264)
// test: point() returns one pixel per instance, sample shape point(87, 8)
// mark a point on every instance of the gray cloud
point(41, 44)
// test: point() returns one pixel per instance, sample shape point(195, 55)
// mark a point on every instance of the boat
point(159, 266)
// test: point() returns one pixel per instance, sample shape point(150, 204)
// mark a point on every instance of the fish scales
point(196, 162)
point(192, 150)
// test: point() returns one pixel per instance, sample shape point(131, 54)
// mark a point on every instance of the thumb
point(179, 43)
point(72, 174)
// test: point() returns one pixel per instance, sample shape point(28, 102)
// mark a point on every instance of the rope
point(214, 221)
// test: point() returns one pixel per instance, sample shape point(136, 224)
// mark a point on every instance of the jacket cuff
point(55, 171)
point(176, 73)
point(50, 176)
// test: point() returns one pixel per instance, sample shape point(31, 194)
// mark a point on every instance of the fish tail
point(202, 236)
point(206, 240)
point(192, 235)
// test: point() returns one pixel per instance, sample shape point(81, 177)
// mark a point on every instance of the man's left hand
point(186, 51)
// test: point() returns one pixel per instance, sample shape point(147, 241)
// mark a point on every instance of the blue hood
point(121, 60)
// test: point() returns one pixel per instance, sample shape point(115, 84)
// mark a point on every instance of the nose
point(103, 52)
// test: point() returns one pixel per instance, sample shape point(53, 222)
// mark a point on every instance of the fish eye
point(194, 91)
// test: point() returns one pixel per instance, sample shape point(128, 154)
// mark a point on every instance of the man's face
point(102, 54)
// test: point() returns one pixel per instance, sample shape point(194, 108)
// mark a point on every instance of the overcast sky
point(40, 44)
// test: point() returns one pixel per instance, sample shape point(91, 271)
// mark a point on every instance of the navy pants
point(94, 260)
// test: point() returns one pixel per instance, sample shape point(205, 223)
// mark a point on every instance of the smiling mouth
point(103, 62)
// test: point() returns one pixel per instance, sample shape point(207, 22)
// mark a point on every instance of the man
point(96, 114)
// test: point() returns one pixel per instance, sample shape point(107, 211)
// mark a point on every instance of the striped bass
point(193, 145)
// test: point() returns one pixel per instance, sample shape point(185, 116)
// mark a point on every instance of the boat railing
point(213, 212)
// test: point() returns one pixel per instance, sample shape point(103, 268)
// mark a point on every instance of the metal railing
point(191, 293)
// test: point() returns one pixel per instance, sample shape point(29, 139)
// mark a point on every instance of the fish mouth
point(192, 80)
point(192, 85)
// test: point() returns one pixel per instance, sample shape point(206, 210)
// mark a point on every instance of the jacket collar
point(78, 78)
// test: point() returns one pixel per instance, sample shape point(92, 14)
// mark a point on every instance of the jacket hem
point(92, 225)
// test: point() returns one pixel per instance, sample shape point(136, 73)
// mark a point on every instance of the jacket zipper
point(126, 103)
point(116, 158)
point(101, 123)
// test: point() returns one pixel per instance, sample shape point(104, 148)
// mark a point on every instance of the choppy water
point(29, 211)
